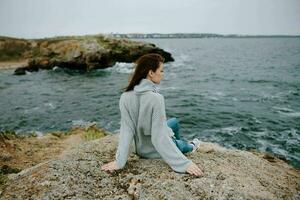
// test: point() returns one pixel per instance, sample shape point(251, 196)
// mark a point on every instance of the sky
point(47, 18)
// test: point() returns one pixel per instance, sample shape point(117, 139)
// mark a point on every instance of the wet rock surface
point(228, 174)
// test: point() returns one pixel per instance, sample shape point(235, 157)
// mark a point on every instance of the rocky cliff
point(228, 174)
point(75, 52)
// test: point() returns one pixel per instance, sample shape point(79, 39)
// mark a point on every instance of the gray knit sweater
point(143, 118)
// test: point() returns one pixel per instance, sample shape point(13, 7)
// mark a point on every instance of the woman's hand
point(110, 167)
point(193, 169)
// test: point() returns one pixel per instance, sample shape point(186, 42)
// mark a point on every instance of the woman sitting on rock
point(143, 119)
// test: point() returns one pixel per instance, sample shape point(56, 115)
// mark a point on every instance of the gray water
point(241, 93)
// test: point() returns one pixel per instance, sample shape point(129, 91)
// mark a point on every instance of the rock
point(85, 52)
point(20, 71)
point(228, 174)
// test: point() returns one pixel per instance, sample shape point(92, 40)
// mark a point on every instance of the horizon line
point(152, 33)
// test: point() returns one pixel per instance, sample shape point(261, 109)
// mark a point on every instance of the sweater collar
point(146, 85)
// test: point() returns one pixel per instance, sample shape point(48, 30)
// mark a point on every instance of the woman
point(143, 119)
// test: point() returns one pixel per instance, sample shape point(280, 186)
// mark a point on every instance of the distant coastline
point(192, 35)
point(155, 35)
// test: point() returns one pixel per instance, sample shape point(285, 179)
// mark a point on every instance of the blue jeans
point(182, 145)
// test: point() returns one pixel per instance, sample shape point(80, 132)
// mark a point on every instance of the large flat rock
point(228, 174)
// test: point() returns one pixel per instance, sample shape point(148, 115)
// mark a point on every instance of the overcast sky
point(45, 18)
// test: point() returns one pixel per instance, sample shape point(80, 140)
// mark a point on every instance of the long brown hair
point(144, 64)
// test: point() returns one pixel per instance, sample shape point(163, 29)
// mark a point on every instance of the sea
point(243, 93)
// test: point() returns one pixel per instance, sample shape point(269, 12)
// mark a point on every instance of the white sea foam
point(179, 61)
point(214, 95)
point(276, 149)
point(39, 134)
point(213, 98)
point(286, 111)
point(219, 94)
point(31, 110)
point(82, 123)
point(183, 58)
point(263, 144)
point(259, 134)
point(256, 120)
point(231, 130)
point(124, 68)
point(293, 114)
point(55, 68)
point(50, 105)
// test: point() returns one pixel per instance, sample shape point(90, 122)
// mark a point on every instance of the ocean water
point(242, 93)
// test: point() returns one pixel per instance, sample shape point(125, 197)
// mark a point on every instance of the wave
point(286, 111)
point(82, 123)
point(123, 68)
point(294, 114)
point(214, 95)
point(231, 130)
point(50, 105)
point(37, 109)
point(181, 59)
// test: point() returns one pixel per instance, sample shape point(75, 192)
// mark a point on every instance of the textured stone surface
point(228, 174)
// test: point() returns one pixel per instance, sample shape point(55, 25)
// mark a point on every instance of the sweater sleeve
point(125, 136)
point(162, 142)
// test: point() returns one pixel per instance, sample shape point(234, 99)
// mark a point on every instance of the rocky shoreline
point(75, 52)
point(228, 174)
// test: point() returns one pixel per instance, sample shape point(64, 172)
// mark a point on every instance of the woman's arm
point(162, 141)
point(125, 139)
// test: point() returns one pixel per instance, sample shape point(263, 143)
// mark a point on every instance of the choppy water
point(241, 93)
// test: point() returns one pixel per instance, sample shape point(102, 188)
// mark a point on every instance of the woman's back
point(143, 119)
point(136, 107)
